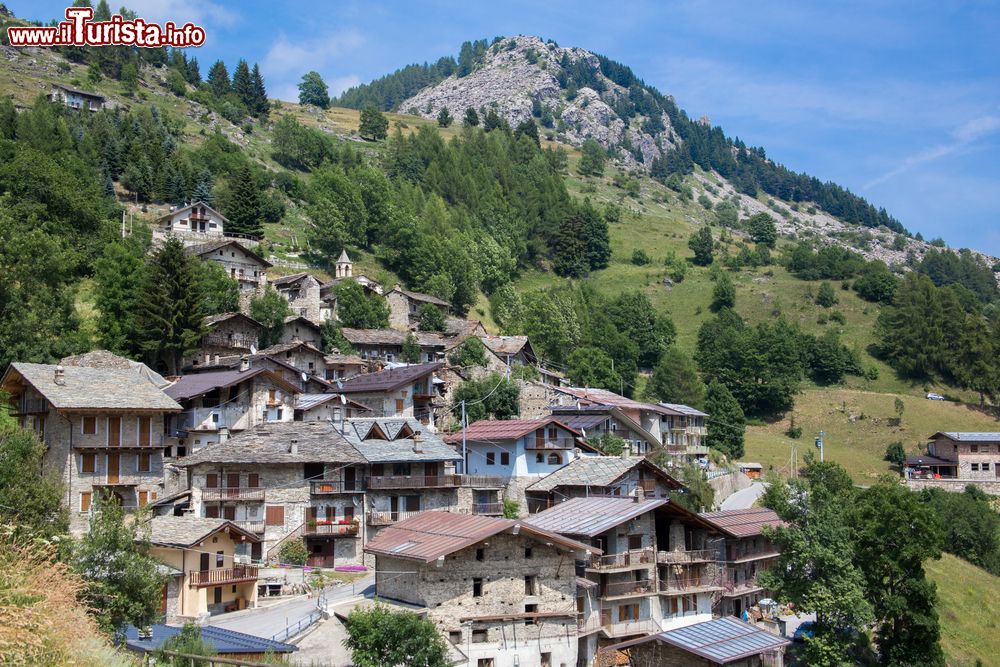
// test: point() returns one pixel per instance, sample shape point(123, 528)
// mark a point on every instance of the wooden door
point(114, 463)
point(394, 507)
point(145, 431)
point(203, 564)
point(350, 479)
point(431, 473)
point(233, 480)
point(114, 431)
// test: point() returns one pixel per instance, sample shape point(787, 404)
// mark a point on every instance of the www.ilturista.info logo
point(79, 30)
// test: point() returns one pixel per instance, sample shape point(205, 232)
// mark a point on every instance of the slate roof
point(969, 436)
point(301, 318)
point(86, 388)
point(684, 409)
point(392, 337)
point(486, 430)
point(187, 531)
point(203, 249)
point(224, 642)
point(392, 448)
point(455, 326)
point(343, 259)
point(197, 384)
point(310, 401)
point(505, 344)
point(288, 280)
point(420, 296)
point(78, 91)
point(389, 379)
point(594, 471)
point(111, 361)
point(720, 641)
point(316, 442)
point(745, 522)
point(347, 359)
point(427, 536)
point(281, 348)
point(212, 320)
point(592, 516)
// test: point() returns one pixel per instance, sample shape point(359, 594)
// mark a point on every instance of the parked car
point(935, 397)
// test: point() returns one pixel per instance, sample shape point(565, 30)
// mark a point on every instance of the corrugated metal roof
point(582, 421)
point(684, 409)
point(506, 429)
point(389, 379)
point(430, 535)
point(745, 522)
point(592, 516)
point(969, 436)
point(222, 641)
point(721, 640)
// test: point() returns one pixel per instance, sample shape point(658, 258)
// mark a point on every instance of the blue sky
point(897, 100)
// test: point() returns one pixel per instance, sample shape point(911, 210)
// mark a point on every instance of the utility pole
point(465, 453)
point(819, 444)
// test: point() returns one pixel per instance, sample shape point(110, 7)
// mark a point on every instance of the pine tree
point(726, 422)
point(218, 79)
point(724, 293)
point(203, 188)
point(243, 85)
point(119, 275)
point(471, 118)
point(374, 125)
point(410, 350)
point(313, 90)
point(444, 117)
point(675, 380)
point(270, 309)
point(592, 159)
point(260, 104)
point(171, 307)
point(702, 245)
point(193, 72)
point(245, 205)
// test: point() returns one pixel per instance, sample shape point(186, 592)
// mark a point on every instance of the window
point(348, 513)
point(531, 609)
point(634, 542)
point(553, 433)
point(975, 467)
point(491, 458)
point(145, 431)
point(220, 559)
point(88, 426)
point(974, 448)
point(217, 597)
point(274, 515)
point(85, 501)
point(477, 588)
point(253, 480)
point(88, 463)
point(540, 457)
point(480, 554)
point(143, 498)
point(554, 459)
point(401, 469)
point(143, 462)
point(505, 458)
point(628, 612)
point(455, 637)
point(400, 404)
point(527, 552)
point(530, 584)
point(481, 636)
point(211, 511)
point(114, 431)
point(985, 467)
point(211, 481)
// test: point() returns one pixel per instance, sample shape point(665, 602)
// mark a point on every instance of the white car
point(935, 397)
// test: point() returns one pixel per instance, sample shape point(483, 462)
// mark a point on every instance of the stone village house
point(228, 335)
point(955, 459)
point(405, 305)
point(243, 265)
point(301, 291)
point(299, 328)
point(102, 427)
point(404, 391)
point(501, 591)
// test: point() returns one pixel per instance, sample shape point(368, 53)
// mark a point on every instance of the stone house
point(404, 391)
point(601, 476)
point(746, 554)
point(387, 344)
point(243, 265)
point(501, 591)
point(720, 641)
point(512, 350)
point(301, 355)
point(302, 292)
point(102, 427)
point(74, 98)
point(344, 270)
point(343, 366)
point(301, 329)
point(595, 421)
point(520, 451)
point(684, 432)
point(192, 224)
point(405, 305)
point(218, 404)
point(961, 455)
point(204, 575)
point(658, 569)
point(328, 407)
point(228, 335)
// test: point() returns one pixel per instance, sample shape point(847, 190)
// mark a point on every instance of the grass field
point(969, 610)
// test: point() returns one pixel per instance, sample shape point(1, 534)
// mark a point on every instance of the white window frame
point(82, 432)
point(107, 430)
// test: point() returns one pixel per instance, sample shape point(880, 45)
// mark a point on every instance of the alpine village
point(497, 361)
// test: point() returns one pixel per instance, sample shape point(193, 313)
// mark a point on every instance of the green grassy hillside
point(969, 607)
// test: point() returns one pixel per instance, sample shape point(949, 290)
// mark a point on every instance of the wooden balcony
point(256, 527)
point(223, 575)
point(377, 518)
point(687, 585)
point(621, 589)
point(488, 509)
point(233, 494)
point(757, 554)
point(29, 406)
point(152, 443)
point(324, 487)
point(433, 482)
point(682, 557)
point(626, 560)
point(331, 529)
point(550, 443)
point(644, 626)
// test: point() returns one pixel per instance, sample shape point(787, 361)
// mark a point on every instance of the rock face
point(521, 74)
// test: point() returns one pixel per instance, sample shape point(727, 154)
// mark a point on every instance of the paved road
point(745, 498)
point(268, 621)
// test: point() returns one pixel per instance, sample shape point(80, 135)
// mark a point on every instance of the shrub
point(640, 257)
point(293, 552)
point(511, 509)
point(794, 430)
point(895, 453)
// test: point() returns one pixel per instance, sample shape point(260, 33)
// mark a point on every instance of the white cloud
point(962, 137)
point(288, 59)
point(181, 11)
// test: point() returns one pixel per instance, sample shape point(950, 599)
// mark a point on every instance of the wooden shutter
point(114, 431)
point(253, 480)
point(400, 404)
point(349, 513)
point(87, 462)
point(145, 431)
point(233, 480)
point(85, 501)
point(229, 512)
point(89, 425)
point(274, 515)
point(212, 480)
point(211, 511)
point(143, 498)
point(144, 463)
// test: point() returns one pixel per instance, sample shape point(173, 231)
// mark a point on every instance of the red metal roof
point(743, 523)
point(430, 535)
point(506, 429)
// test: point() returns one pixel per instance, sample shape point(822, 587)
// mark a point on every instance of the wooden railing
point(251, 526)
point(487, 508)
point(623, 588)
point(625, 559)
point(243, 493)
point(234, 341)
point(681, 557)
point(223, 575)
point(625, 628)
point(376, 518)
point(752, 555)
point(155, 441)
point(687, 584)
point(550, 443)
point(319, 528)
point(329, 486)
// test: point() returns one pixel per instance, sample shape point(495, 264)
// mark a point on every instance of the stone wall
point(991, 487)
point(726, 485)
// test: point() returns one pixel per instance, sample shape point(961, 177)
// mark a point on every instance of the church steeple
point(345, 267)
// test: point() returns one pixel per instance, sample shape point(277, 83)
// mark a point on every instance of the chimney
point(244, 363)
point(640, 494)
point(293, 447)
point(60, 376)
point(624, 453)
point(417, 447)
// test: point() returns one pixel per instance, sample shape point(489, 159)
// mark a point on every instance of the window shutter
point(85, 501)
point(253, 480)
point(274, 515)
point(211, 511)
point(212, 480)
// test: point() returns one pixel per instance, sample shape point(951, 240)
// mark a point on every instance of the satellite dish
point(304, 376)
point(343, 400)
point(340, 385)
point(253, 349)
